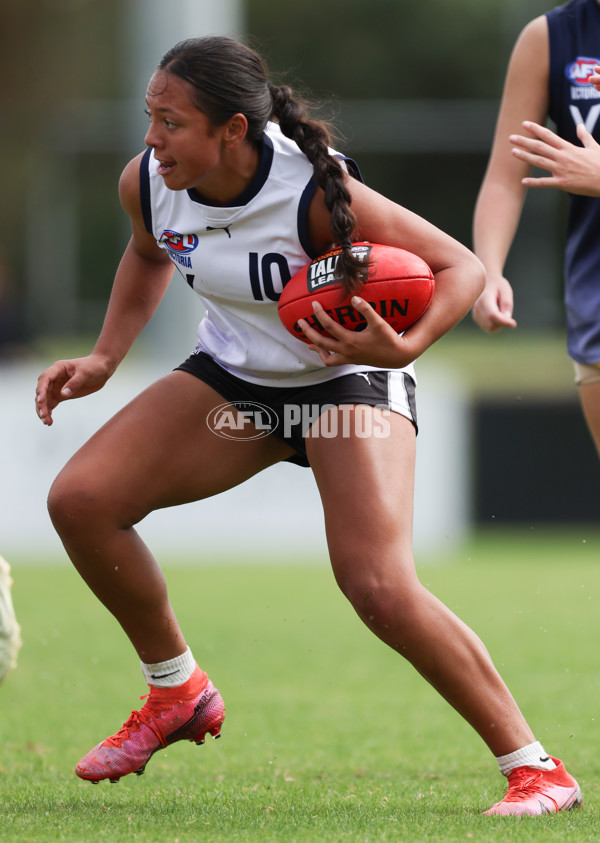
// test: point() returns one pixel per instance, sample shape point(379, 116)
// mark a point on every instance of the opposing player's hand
point(493, 309)
point(68, 379)
point(377, 345)
point(575, 169)
point(594, 79)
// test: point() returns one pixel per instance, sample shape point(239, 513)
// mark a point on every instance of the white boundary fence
point(276, 514)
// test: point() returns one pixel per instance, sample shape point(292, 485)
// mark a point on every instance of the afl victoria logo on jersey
point(579, 71)
point(179, 246)
point(180, 243)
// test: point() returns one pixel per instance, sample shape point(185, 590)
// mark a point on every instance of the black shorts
point(289, 412)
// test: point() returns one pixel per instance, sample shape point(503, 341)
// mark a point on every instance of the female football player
point(549, 75)
point(238, 189)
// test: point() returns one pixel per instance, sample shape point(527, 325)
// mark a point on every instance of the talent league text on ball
point(323, 273)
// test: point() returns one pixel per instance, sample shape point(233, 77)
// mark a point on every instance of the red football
point(399, 287)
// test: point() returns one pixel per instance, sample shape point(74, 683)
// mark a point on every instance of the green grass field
point(329, 735)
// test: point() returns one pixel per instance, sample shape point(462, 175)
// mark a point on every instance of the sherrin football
point(399, 287)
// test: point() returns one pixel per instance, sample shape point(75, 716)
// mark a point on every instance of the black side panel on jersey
point(145, 190)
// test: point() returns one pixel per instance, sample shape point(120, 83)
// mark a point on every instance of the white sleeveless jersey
point(238, 258)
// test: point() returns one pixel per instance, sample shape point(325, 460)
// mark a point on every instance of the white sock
point(170, 673)
point(532, 755)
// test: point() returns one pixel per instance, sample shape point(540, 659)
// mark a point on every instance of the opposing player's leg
point(10, 630)
point(369, 533)
point(156, 452)
point(589, 395)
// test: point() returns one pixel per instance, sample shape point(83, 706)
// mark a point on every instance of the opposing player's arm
point(500, 200)
point(459, 278)
point(525, 97)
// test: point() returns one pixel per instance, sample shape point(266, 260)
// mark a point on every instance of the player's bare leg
point(158, 451)
point(589, 394)
point(369, 531)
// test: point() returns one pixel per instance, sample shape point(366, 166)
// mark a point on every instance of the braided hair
point(229, 78)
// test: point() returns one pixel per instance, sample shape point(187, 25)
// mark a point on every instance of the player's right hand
point(493, 309)
point(67, 379)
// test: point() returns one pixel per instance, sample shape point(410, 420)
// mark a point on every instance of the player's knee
point(380, 600)
point(74, 503)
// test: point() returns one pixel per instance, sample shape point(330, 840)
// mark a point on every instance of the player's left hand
point(377, 345)
point(575, 169)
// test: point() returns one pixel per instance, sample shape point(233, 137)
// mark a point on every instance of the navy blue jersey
point(574, 33)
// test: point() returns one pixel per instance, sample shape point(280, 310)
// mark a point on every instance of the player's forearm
point(495, 223)
point(456, 289)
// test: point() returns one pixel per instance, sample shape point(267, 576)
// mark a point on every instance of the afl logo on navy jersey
point(180, 243)
point(579, 71)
